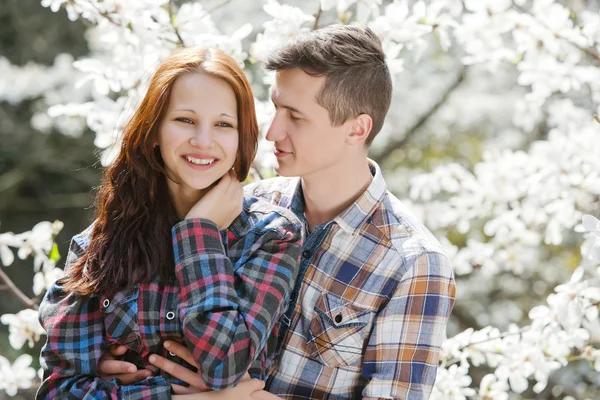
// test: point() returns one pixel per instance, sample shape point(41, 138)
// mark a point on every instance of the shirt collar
point(351, 219)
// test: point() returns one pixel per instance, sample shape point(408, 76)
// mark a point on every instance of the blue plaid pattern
point(225, 304)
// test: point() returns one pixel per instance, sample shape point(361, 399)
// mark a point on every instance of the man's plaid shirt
point(370, 306)
point(225, 304)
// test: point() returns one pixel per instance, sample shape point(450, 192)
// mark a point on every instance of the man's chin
point(283, 171)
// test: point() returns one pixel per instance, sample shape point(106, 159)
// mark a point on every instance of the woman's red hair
point(131, 237)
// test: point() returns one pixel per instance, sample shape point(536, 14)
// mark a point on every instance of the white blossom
point(19, 375)
point(23, 327)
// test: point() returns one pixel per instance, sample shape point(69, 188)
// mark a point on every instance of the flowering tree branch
point(10, 285)
point(400, 143)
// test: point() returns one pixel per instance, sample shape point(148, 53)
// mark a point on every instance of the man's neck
point(330, 192)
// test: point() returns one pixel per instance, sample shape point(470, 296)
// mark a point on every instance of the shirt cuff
point(196, 236)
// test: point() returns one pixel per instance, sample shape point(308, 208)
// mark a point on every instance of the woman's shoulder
point(81, 241)
point(260, 215)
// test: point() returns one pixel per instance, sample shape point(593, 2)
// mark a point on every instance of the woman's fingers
point(178, 371)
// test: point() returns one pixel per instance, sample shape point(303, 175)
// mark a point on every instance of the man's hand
point(264, 395)
point(110, 367)
point(180, 372)
point(243, 391)
point(222, 204)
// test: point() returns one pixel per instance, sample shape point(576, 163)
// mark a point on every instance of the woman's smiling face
point(198, 135)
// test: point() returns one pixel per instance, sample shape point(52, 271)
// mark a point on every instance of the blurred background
point(487, 140)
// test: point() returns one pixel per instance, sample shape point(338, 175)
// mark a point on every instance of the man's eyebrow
point(292, 109)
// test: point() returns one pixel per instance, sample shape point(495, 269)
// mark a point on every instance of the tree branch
point(173, 23)
point(587, 51)
point(17, 292)
point(221, 4)
point(400, 143)
point(317, 17)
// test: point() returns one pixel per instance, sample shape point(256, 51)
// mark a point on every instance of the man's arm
point(402, 354)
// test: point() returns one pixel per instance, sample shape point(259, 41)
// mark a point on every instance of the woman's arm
point(228, 314)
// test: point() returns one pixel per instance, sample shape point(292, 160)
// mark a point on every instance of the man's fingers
point(111, 367)
point(178, 371)
point(246, 377)
point(251, 386)
point(128, 379)
point(263, 395)
point(178, 389)
point(116, 350)
point(182, 351)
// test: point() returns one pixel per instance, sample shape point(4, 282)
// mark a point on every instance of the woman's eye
point(225, 125)
point(184, 120)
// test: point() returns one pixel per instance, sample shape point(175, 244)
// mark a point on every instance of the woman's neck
point(183, 197)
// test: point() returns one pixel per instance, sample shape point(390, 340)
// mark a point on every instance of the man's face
point(305, 141)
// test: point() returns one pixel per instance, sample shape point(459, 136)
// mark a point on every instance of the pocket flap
point(340, 313)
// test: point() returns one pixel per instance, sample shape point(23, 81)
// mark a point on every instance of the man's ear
point(360, 129)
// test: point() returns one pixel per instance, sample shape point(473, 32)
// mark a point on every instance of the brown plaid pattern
point(371, 303)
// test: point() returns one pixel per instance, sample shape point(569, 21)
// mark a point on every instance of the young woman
point(176, 251)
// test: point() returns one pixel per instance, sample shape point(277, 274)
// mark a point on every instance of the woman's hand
point(111, 367)
point(222, 204)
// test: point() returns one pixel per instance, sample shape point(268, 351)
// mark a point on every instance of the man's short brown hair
point(357, 81)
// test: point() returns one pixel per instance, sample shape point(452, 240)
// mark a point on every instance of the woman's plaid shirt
point(370, 306)
point(225, 303)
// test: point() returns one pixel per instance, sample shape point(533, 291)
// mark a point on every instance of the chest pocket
point(337, 331)
point(121, 317)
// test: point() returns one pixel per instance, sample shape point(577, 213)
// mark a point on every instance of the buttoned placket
point(311, 245)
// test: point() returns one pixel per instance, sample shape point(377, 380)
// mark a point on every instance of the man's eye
point(184, 120)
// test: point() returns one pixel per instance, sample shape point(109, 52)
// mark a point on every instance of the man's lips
point(280, 153)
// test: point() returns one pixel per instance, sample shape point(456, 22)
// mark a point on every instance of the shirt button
point(173, 354)
point(106, 303)
point(338, 318)
point(306, 254)
point(170, 315)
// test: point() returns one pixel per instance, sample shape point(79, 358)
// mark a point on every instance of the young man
point(375, 289)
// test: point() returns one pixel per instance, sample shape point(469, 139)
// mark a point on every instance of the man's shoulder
point(261, 215)
point(275, 190)
point(407, 233)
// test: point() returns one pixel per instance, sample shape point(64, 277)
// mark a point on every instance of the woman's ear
point(360, 129)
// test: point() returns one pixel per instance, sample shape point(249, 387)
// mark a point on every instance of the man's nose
point(276, 131)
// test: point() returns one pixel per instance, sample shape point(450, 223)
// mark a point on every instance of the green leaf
point(54, 253)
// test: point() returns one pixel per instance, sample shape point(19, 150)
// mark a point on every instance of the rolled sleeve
point(228, 313)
